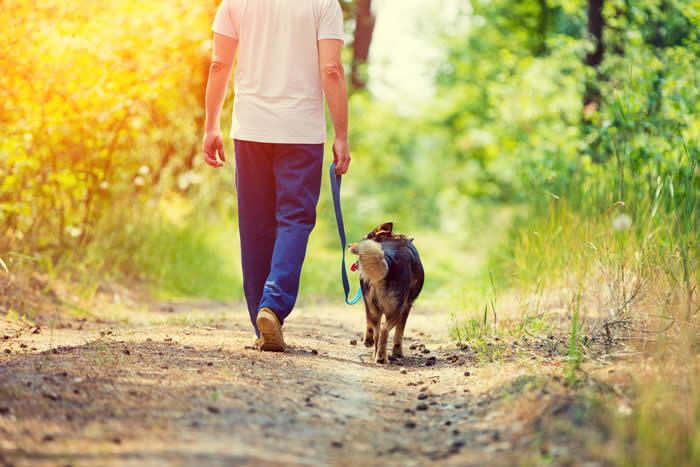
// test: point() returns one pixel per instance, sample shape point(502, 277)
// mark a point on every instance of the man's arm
point(219, 73)
point(333, 79)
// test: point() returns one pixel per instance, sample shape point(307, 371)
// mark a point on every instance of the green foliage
point(613, 206)
point(100, 104)
point(185, 260)
point(503, 105)
point(658, 194)
point(102, 121)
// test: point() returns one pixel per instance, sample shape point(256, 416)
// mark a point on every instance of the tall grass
point(617, 243)
point(663, 426)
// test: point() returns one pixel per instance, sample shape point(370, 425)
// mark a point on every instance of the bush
point(101, 108)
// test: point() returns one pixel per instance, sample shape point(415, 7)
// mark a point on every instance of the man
point(288, 55)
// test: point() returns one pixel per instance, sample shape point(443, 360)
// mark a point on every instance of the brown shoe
point(270, 328)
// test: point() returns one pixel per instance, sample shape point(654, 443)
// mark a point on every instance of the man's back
point(279, 97)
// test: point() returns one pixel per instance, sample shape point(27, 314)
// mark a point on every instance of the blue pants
point(277, 187)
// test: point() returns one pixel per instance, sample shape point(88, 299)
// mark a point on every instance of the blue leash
point(335, 189)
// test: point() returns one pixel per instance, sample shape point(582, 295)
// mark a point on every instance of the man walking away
point(288, 55)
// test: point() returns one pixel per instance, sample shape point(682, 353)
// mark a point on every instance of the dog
point(391, 278)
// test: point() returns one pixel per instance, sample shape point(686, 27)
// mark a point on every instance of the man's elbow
point(218, 65)
point(332, 72)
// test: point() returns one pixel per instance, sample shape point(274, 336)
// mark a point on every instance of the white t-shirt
point(279, 96)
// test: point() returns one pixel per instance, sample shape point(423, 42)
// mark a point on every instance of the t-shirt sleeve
point(331, 24)
point(225, 22)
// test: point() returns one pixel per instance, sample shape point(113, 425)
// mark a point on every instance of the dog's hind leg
point(372, 331)
point(377, 334)
point(397, 350)
point(373, 321)
point(380, 355)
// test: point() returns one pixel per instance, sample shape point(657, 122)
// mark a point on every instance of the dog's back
point(404, 278)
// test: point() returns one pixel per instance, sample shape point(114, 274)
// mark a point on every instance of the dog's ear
point(385, 228)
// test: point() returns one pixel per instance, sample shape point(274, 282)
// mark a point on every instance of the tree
point(596, 21)
point(364, 27)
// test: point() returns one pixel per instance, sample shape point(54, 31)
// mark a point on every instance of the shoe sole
point(272, 340)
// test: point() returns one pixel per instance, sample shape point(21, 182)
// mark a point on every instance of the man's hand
point(341, 155)
point(213, 143)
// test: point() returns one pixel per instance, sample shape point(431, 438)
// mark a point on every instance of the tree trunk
point(542, 26)
point(594, 58)
point(364, 27)
point(595, 30)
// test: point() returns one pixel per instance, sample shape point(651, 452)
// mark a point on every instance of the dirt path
point(180, 384)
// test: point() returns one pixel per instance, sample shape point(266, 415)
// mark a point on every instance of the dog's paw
point(369, 339)
point(380, 357)
point(397, 351)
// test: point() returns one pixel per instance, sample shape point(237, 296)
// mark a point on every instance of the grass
point(663, 426)
point(608, 257)
point(190, 260)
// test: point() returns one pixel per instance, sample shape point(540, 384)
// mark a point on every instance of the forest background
point(557, 154)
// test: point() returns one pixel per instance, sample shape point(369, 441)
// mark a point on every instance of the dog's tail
point(373, 265)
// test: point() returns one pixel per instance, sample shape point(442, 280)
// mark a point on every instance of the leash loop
point(335, 189)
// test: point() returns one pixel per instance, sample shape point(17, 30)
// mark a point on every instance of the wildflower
point(622, 222)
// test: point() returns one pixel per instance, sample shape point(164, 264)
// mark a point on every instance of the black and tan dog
point(391, 277)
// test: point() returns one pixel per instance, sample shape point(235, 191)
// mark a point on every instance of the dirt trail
point(180, 384)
